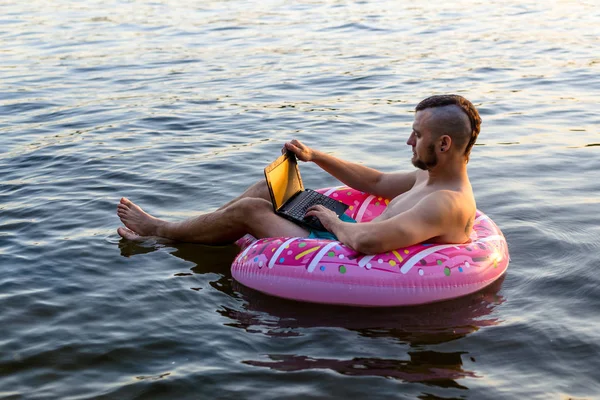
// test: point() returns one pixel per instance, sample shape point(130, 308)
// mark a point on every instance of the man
point(434, 203)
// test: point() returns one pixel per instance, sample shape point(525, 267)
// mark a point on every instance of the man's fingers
point(311, 211)
point(290, 146)
point(298, 145)
point(315, 210)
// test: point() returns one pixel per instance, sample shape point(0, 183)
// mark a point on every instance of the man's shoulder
point(447, 202)
point(440, 199)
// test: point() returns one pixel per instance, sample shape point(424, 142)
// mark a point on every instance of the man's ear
point(445, 142)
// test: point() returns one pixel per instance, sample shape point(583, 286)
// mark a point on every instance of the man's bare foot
point(138, 222)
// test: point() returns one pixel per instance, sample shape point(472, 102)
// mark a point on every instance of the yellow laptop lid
point(283, 179)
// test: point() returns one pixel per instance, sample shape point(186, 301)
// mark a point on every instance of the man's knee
point(260, 190)
point(249, 208)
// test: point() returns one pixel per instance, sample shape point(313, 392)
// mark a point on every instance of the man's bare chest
point(405, 201)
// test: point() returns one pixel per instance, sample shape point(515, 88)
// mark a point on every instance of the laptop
point(290, 199)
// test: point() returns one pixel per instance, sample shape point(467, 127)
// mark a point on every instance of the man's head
point(444, 124)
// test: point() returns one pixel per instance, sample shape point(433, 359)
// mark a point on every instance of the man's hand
point(327, 217)
point(302, 152)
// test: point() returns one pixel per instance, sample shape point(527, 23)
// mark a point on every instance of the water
point(179, 106)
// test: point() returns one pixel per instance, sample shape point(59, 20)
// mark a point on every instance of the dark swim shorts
point(328, 235)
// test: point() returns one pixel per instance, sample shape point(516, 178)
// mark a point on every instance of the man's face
point(424, 156)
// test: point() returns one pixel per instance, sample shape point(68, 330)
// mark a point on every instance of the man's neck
point(448, 172)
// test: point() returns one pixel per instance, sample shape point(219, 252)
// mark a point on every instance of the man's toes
point(124, 219)
point(125, 202)
point(128, 234)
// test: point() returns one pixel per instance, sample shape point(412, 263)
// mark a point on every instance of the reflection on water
point(206, 259)
point(431, 367)
point(418, 327)
point(421, 325)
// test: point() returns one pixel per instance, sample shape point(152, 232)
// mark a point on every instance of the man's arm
point(430, 218)
point(356, 176)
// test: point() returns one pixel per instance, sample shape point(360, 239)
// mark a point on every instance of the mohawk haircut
point(466, 106)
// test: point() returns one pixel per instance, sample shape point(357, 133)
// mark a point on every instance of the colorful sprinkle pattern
point(484, 259)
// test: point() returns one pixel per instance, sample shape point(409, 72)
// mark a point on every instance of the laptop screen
point(283, 178)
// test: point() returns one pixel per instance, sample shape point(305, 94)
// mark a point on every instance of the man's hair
point(453, 120)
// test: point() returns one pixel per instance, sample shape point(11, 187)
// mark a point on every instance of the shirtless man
point(434, 203)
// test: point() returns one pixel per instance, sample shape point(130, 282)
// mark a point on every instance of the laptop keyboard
point(308, 200)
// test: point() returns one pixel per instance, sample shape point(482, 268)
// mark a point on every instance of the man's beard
point(430, 161)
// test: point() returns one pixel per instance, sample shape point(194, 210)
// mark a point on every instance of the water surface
point(180, 105)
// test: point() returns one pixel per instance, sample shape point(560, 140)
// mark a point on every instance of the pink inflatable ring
point(325, 271)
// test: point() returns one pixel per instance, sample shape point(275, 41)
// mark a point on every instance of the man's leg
point(226, 225)
point(259, 190)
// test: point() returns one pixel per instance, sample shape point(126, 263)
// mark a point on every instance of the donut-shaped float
point(325, 271)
